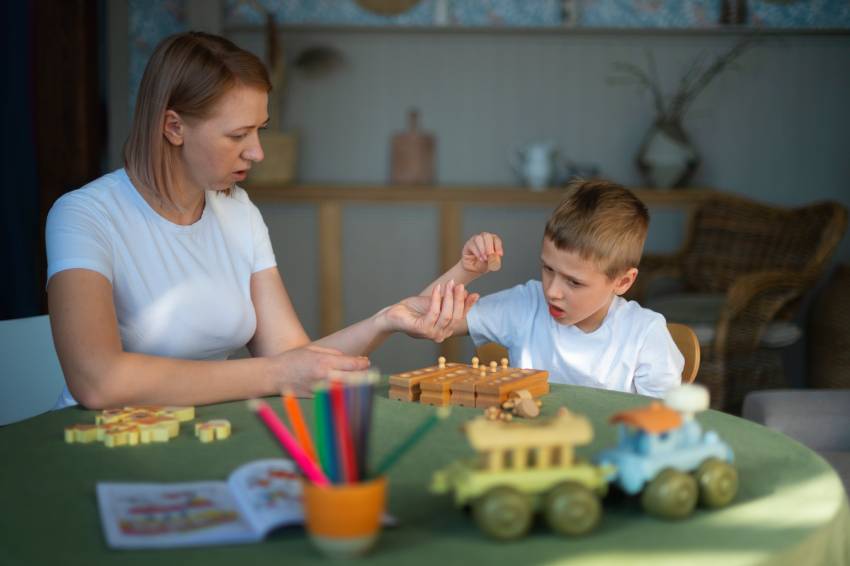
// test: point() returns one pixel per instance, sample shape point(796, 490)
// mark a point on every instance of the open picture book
point(256, 498)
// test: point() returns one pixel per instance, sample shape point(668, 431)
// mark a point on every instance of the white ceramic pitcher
point(537, 165)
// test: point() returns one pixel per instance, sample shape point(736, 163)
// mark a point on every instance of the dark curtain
point(53, 134)
point(20, 294)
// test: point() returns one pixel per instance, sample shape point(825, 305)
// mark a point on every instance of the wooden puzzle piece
point(120, 434)
point(182, 414)
point(81, 433)
point(132, 426)
point(217, 429)
point(157, 428)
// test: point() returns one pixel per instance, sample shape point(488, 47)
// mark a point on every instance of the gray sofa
point(818, 418)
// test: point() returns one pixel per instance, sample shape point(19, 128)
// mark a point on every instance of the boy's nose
point(553, 291)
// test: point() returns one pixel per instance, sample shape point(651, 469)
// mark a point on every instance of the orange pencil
point(296, 419)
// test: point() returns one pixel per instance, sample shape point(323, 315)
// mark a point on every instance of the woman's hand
point(300, 369)
point(435, 317)
point(482, 253)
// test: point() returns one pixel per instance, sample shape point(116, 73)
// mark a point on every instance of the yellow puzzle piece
point(132, 426)
point(217, 429)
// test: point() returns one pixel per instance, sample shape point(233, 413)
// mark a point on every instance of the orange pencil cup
point(345, 519)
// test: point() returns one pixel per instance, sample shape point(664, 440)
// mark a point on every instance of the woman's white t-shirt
point(179, 291)
point(631, 351)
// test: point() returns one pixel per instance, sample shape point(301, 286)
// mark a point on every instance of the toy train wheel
point(503, 513)
point(670, 495)
point(718, 483)
point(572, 509)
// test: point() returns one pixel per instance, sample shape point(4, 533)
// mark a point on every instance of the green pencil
point(319, 410)
point(415, 436)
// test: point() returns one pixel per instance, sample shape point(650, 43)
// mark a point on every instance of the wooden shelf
point(478, 195)
point(330, 199)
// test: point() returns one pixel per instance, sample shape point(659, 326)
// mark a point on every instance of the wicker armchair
point(741, 274)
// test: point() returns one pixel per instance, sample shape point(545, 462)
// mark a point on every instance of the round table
point(791, 507)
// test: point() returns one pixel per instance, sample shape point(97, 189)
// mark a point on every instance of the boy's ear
point(625, 281)
point(172, 127)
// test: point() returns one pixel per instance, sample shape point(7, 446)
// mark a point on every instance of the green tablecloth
point(791, 508)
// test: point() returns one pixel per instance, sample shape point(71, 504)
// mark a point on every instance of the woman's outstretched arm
point(100, 374)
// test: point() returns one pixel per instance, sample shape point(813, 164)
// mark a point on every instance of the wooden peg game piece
point(498, 390)
point(437, 390)
point(494, 262)
point(405, 386)
point(474, 385)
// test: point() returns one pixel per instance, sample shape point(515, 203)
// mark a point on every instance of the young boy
point(574, 323)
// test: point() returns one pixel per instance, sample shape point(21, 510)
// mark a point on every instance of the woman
point(158, 271)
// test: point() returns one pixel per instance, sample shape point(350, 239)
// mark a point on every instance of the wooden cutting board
point(412, 154)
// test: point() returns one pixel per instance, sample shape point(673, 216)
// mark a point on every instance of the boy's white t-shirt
point(179, 291)
point(631, 351)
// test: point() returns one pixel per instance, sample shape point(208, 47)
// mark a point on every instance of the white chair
point(31, 378)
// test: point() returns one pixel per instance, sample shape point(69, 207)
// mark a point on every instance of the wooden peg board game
point(466, 385)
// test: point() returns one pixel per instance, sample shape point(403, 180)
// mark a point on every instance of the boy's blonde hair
point(187, 73)
point(603, 222)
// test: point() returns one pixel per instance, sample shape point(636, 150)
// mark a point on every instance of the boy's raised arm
point(481, 254)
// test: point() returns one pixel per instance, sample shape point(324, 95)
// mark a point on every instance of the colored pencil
point(334, 466)
point(320, 419)
point(345, 448)
point(355, 421)
point(278, 429)
point(296, 419)
point(417, 435)
point(365, 392)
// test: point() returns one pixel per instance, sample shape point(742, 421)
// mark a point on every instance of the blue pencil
point(365, 392)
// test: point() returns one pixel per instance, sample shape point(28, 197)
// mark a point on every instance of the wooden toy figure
point(524, 467)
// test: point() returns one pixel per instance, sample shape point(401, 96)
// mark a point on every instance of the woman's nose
point(254, 152)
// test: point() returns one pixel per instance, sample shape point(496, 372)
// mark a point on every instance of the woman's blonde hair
point(601, 221)
point(187, 73)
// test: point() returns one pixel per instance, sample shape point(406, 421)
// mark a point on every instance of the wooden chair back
point(682, 334)
point(688, 344)
point(491, 352)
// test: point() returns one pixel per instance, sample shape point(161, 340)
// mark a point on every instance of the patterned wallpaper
point(152, 20)
point(426, 12)
point(552, 13)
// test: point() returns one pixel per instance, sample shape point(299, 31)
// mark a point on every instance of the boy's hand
point(482, 253)
point(433, 317)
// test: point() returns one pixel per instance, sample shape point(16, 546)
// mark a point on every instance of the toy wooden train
point(662, 454)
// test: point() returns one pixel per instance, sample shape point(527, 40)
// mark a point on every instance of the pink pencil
point(274, 424)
